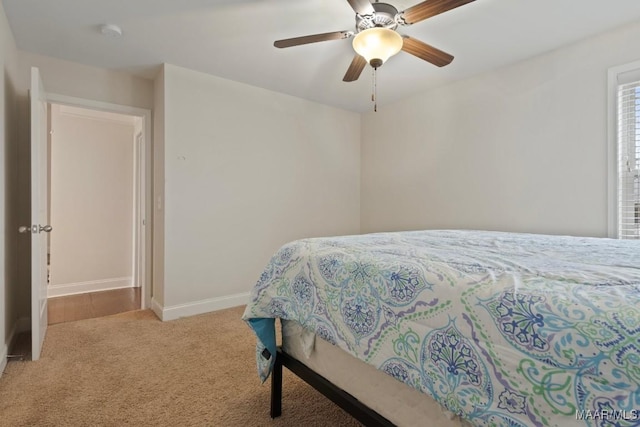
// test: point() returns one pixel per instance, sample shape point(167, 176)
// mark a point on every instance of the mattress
point(397, 402)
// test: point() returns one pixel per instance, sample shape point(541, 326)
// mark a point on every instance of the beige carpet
point(132, 369)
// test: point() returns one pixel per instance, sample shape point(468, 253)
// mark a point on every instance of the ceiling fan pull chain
point(374, 90)
point(373, 78)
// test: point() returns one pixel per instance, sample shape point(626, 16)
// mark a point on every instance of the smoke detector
point(111, 30)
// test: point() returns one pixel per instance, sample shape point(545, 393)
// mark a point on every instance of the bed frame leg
point(276, 388)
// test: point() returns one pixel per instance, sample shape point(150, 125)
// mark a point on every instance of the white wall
point(91, 200)
point(522, 148)
point(8, 187)
point(245, 171)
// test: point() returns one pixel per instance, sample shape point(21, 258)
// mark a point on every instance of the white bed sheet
point(399, 403)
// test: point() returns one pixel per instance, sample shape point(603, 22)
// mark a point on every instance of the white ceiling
point(234, 39)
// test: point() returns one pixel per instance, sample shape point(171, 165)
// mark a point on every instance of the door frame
point(139, 208)
point(144, 221)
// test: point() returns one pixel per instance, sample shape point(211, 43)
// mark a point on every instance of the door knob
point(35, 229)
point(24, 229)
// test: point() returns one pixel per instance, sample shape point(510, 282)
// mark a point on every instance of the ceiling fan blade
point(355, 69)
point(423, 51)
point(362, 7)
point(296, 41)
point(429, 8)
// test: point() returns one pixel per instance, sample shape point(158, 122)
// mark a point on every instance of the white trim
point(89, 286)
point(146, 232)
point(199, 307)
point(612, 144)
point(157, 308)
point(139, 205)
point(612, 155)
point(99, 115)
point(96, 105)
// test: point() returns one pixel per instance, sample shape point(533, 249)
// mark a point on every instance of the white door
point(39, 213)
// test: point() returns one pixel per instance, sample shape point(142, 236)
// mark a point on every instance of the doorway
point(98, 186)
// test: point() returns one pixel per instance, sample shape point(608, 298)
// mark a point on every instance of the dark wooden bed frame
point(353, 406)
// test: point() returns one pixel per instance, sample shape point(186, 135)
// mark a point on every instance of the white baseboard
point(156, 308)
point(89, 286)
point(21, 325)
point(199, 307)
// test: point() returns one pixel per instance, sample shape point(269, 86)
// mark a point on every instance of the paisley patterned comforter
point(503, 329)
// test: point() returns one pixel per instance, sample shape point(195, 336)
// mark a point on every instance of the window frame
point(613, 79)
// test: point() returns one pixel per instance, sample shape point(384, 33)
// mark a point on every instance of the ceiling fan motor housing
point(384, 16)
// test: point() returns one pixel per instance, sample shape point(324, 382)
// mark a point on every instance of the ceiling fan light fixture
point(377, 45)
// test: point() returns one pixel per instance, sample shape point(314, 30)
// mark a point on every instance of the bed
point(474, 327)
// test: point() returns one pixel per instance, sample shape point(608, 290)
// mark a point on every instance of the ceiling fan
point(376, 38)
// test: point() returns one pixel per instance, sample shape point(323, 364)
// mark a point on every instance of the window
point(629, 160)
point(624, 148)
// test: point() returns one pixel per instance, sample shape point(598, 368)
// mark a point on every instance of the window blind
point(629, 160)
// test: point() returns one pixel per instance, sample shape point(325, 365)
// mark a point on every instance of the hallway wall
point(91, 200)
